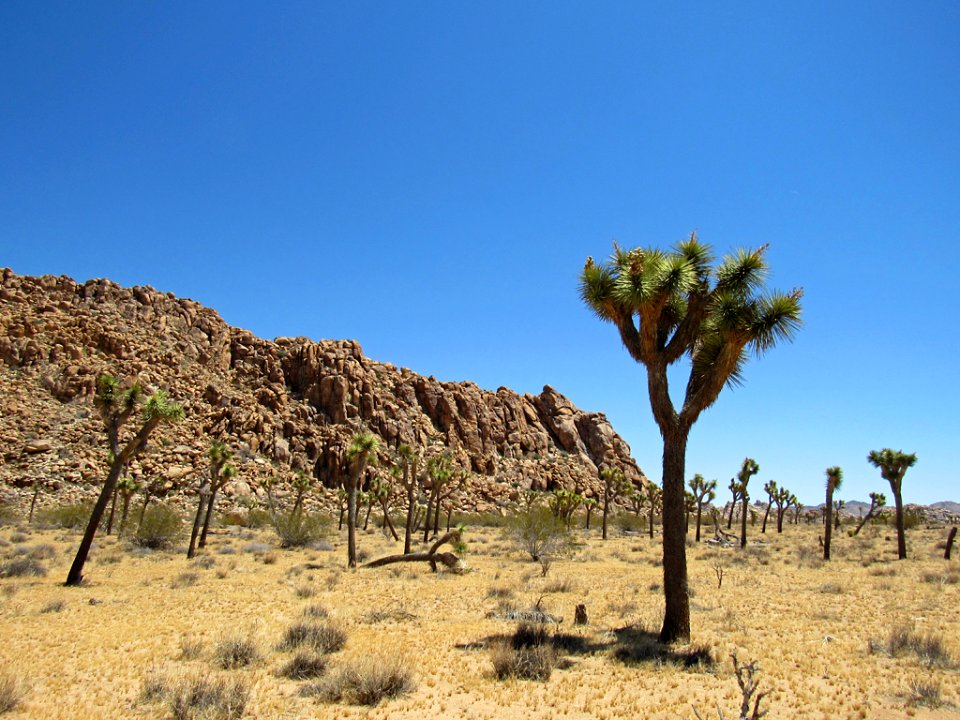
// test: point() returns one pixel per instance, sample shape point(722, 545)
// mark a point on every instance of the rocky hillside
point(283, 405)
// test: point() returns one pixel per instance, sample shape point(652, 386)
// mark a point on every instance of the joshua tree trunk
point(606, 512)
point(653, 507)
point(33, 502)
point(352, 521)
point(411, 508)
point(366, 518)
point(951, 536)
point(780, 514)
point(147, 497)
point(436, 518)
point(387, 522)
point(211, 501)
point(743, 519)
point(733, 505)
point(699, 515)
point(828, 523)
point(123, 513)
point(201, 506)
point(901, 530)
point(113, 510)
point(763, 529)
point(676, 618)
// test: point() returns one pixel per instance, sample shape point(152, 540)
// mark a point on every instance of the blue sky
point(428, 177)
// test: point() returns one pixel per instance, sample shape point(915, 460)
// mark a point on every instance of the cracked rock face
point(283, 405)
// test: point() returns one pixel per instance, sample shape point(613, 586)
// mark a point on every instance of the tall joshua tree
point(834, 480)
point(671, 305)
point(893, 466)
point(877, 501)
point(440, 472)
point(747, 471)
point(783, 498)
point(734, 488)
point(362, 448)
point(116, 406)
point(703, 492)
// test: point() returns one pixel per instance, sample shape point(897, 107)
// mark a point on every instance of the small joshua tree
point(126, 486)
point(614, 485)
point(116, 406)
point(734, 488)
point(221, 472)
point(440, 472)
point(747, 470)
point(654, 503)
point(302, 482)
point(782, 498)
point(703, 492)
point(409, 462)
point(877, 501)
point(893, 466)
point(771, 489)
point(363, 448)
point(563, 504)
point(834, 480)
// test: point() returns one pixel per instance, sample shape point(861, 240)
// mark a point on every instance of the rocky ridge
point(283, 405)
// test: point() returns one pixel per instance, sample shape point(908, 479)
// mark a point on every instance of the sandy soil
point(86, 652)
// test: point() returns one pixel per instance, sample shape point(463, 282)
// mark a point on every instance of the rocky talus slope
point(283, 405)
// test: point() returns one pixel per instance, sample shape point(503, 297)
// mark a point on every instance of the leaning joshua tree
point(673, 305)
point(747, 471)
point(221, 472)
point(116, 406)
point(834, 480)
point(703, 492)
point(877, 501)
point(362, 448)
point(893, 466)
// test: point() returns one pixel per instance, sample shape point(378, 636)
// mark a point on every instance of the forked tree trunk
point(197, 520)
point(211, 501)
point(123, 513)
point(113, 511)
point(676, 617)
point(780, 514)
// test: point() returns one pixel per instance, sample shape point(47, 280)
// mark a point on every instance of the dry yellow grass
point(86, 652)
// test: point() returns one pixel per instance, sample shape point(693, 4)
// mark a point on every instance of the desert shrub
point(22, 567)
point(12, 691)
point(304, 665)
point(305, 591)
point(365, 681)
point(299, 529)
point(8, 516)
point(315, 611)
point(200, 696)
point(537, 532)
point(235, 651)
point(73, 516)
point(628, 522)
point(19, 537)
point(323, 637)
point(43, 551)
point(257, 518)
point(161, 527)
point(912, 519)
point(190, 647)
point(929, 649)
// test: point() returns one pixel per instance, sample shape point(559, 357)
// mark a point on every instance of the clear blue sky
point(428, 177)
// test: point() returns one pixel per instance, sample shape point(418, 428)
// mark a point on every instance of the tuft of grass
point(304, 666)
point(54, 606)
point(184, 579)
point(365, 681)
point(315, 611)
point(12, 691)
point(534, 662)
point(924, 693)
point(22, 567)
point(236, 651)
point(322, 637)
point(68, 517)
point(190, 647)
point(199, 696)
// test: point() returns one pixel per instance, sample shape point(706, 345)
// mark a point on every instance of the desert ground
point(819, 632)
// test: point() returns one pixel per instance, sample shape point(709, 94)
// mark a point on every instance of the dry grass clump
point(22, 567)
point(305, 665)
point(525, 663)
point(184, 579)
point(54, 606)
point(929, 649)
point(199, 696)
point(236, 651)
point(365, 681)
point(190, 647)
point(12, 691)
point(323, 637)
point(924, 693)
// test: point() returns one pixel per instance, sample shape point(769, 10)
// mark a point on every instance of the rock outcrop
point(284, 405)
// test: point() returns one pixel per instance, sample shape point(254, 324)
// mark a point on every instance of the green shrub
point(299, 529)
point(537, 532)
point(74, 516)
point(161, 527)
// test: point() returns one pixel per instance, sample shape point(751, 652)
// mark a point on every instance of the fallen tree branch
point(449, 559)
